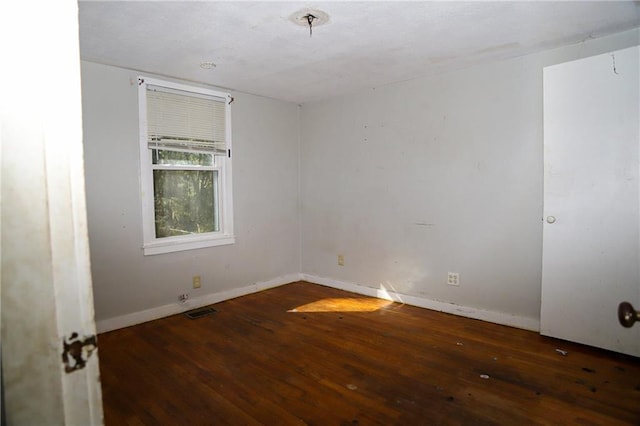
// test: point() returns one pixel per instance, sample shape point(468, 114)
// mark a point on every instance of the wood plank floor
point(345, 359)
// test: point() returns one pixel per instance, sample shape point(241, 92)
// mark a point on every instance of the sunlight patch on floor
point(343, 304)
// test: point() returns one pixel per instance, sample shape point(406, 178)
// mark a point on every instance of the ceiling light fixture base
point(310, 18)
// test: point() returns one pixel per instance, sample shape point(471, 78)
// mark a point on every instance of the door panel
point(591, 200)
point(48, 375)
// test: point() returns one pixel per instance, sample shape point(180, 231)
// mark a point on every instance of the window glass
point(185, 202)
point(177, 158)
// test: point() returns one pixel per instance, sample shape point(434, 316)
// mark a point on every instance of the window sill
point(174, 245)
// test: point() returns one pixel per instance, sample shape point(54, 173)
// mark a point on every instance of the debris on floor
point(484, 376)
point(351, 386)
point(561, 352)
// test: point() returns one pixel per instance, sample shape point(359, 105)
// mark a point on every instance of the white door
point(591, 200)
point(50, 371)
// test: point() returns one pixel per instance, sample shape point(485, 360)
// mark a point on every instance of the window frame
point(152, 245)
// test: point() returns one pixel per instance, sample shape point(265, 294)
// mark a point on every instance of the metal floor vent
point(199, 313)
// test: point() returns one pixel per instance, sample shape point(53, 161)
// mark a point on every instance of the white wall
point(265, 185)
point(407, 181)
point(443, 173)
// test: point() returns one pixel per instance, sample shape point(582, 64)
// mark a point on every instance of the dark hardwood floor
point(345, 359)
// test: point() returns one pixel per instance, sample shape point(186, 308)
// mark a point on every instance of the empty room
point(333, 212)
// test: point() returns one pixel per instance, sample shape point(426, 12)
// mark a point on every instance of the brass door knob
point(627, 315)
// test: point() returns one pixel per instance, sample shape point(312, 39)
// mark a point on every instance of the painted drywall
point(265, 185)
point(408, 181)
point(442, 174)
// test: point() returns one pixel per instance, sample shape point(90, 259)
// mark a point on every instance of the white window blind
point(183, 121)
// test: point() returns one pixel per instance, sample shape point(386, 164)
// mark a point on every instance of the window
point(185, 166)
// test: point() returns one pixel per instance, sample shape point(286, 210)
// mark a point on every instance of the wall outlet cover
point(453, 278)
point(196, 281)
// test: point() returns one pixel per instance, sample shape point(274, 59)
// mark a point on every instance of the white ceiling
point(258, 49)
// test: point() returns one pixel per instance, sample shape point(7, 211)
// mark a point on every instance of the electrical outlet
point(183, 297)
point(453, 278)
point(340, 260)
point(196, 281)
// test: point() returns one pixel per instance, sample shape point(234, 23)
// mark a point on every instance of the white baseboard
point(115, 323)
point(176, 308)
point(502, 318)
